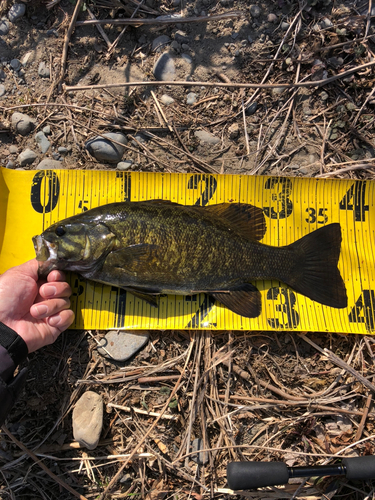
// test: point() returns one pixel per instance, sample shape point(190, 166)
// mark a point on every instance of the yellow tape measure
point(30, 201)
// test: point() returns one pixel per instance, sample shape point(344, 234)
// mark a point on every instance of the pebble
point(27, 157)
point(160, 42)
point(47, 129)
point(233, 131)
point(43, 70)
point(201, 457)
point(284, 26)
point(272, 18)
point(10, 164)
point(42, 142)
point(104, 150)
point(27, 57)
point(326, 23)
point(278, 90)
point(87, 419)
point(13, 149)
point(164, 68)
point(2, 75)
point(56, 156)
point(181, 37)
point(255, 11)
point(191, 98)
point(16, 12)
point(187, 58)
point(124, 165)
point(166, 99)
point(324, 95)
point(249, 39)
point(15, 64)
point(250, 110)
point(62, 150)
point(176, 46)
point(52, 33)
point(48, 164)
point(22, 123)
point(206, 137)
point(121, 345)
point(234, 35)
point(139, 138)
point(4, 27)
point(2, 90)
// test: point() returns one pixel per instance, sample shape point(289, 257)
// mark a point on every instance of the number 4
point(354, 200)
point(363, 311)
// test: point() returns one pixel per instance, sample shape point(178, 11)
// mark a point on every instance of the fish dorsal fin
point(245, 219)
point(162, 202)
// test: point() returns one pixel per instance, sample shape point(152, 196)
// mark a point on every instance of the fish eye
point(60, 231)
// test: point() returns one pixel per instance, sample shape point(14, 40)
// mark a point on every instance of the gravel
point(206, 137)
point(105, 150)
point(22, 123)
point(4, 27)
point(122, 345)
point(164, 68)
point(166, 99)
point(88, 419)
point(43, 70)
point(49, 164)
point(2, 90)
point(27, 157)
point(160, 42)
point(191, 98)
point(16, 12)
point(42, 142)
point(124, 165)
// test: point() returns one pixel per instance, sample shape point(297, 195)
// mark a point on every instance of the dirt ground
point(249, 396)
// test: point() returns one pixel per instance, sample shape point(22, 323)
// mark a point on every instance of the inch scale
point(30, 201)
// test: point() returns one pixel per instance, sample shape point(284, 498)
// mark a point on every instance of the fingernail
point(54, 320)
point(49, 291)
point(41, 310)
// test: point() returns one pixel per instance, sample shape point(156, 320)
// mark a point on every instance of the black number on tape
point(210, 186)
point(354, 200)
point(198, 319)
point(126, 185)
point(363, 311)
point(288, 299)
point(284, 206)
point(51, 184)
point(321, 218)
point(120, 307)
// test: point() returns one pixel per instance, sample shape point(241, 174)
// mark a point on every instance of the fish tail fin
point(316, 274)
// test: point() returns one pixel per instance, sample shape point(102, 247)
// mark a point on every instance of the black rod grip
point(247, 475)
point(359, 467)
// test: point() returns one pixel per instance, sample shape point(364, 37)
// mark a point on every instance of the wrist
point(13, 343)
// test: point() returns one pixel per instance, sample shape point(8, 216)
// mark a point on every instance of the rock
point(124, 165)
point(4, 27)
point(15, 64)
point(249, 39)
point(324, 95)
point(191, 98)
point(13, 149)
point(139, 138)
point(63, 150)
point(234, 35)
point(164, 68)
point(181, 37)
point(206, 137)
point(326, 23)
point(176, 46)
point(160, 42)
point(47, 129)
point(284, 26)
point(278, 90)
point(251, 108)
point(48, 164)
point(255, 11)
point(201, 457)
point(2, 75)
point(42, 142)
point(26, 58)
point(22, 123)
point(272, 18)
point(27, 157)
point(56, 156)
point(187, 58)
point(121, 345)
point(2, 90)
point(10, 164)
point(88, 419)
point(52, 33)
point(105, 150)
point(233, 131)
point(16, 12)
point(166, 99)
point(43, 70)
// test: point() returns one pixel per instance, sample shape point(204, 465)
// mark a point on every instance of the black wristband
point(14, 344)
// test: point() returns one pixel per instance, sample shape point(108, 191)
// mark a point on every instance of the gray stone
point(56, 156)
point(278, 90)
point(27, 157)
point(176, 46)
point(233, 131)
point(43, 70)
point(206, 137)
point(255, 11)
point(187, 58)
point(284, 26)
point(48, 164)
point(2, 90)
point(124, 165)
point(249, 39)
point(164, 68)
point(181, 37)
point(10, 164)
point(52, 33)
point(27, 57)
point(4, 27)
point(42, 142)
point(47, 129)
point(3, 75)
point(103, 149)
point(121, 345)
point(251, 108)
point(234, 35)
point(166, 99)
point(13, 149)
point(15, 64)
point(16, 12)
point(139, 138)
point(22, 123)
point(272, 18)
point(62, 150)
point(326, 23)
point(201, 457)
point(87, 419)
point(191, 98)
point(160, 42)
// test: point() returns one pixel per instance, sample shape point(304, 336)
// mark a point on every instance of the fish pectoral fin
point(245, 219)
point(150, 299)
point(246, 301)
point(135, 258)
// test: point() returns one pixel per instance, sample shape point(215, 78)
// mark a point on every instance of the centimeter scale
point(30, 201)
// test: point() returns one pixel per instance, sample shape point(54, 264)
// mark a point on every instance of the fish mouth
point(46, 255)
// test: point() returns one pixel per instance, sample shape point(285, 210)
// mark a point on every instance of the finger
point(55, 289)
point(56, 276)
point(48, 308)
point(60, 322)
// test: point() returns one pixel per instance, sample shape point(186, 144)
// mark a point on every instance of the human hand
point(37, 310)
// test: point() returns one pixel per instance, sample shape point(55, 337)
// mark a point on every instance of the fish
point(159, 247)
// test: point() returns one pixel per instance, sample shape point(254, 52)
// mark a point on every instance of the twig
point(161, 112)
point(112, 46)
point(364, 417)
point(99, 28)
point(318, 83)
point(245, 129)
point(143, 412)
point(360, 166)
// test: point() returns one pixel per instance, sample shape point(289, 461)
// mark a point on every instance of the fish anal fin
point(245, 219)
point(246, 301)
point(150, 299)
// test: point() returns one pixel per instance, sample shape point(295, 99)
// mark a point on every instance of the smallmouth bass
point(159, 247)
